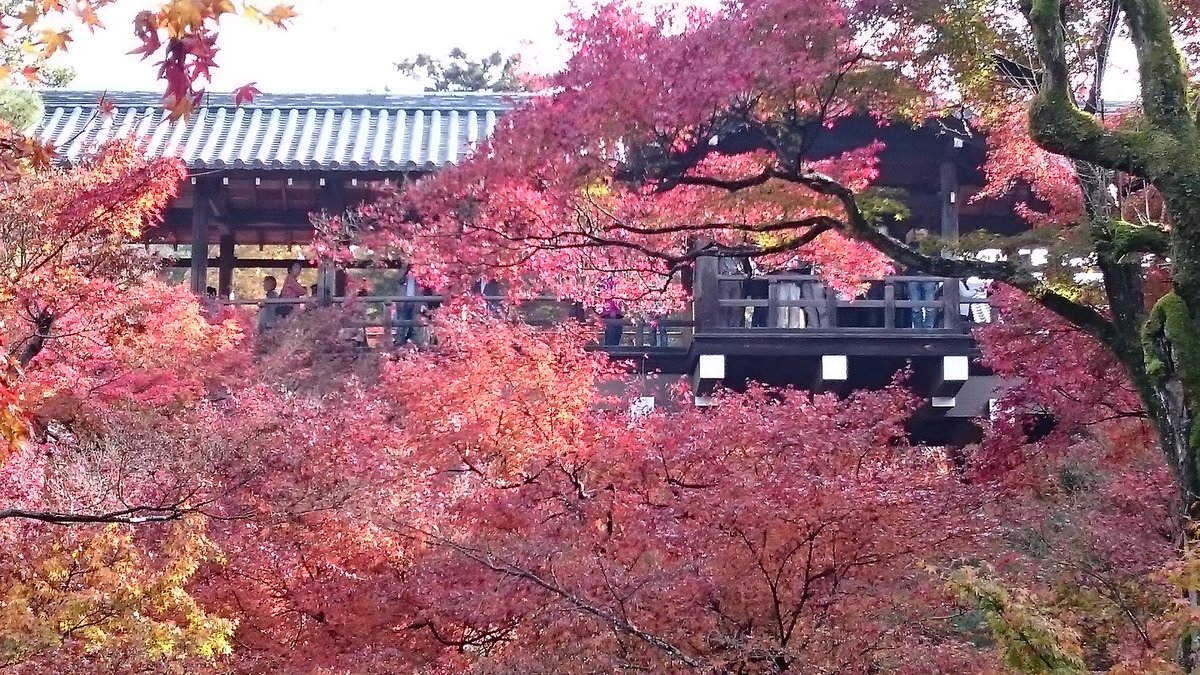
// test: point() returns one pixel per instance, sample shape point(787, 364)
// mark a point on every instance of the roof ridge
point(419, 101)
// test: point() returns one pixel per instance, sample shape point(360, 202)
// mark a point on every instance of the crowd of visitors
point(408, 320)
point(799, 299)
point(795, 299)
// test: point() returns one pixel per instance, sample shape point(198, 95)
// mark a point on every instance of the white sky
point(334, 46)
point(350, 46)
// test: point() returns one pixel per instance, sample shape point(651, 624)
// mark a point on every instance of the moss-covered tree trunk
point(1159, 347)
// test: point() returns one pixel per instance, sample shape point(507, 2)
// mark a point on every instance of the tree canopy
point(180, 492)
point(458, 72)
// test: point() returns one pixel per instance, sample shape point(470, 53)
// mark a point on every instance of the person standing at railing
point(658, 331)
point(611, 314)
point(407, 312)
point(354, 330)
point(731, 316)
point(813, 290)
point(925, 315)
point(787, 290)
point(757, 288)
point(490, 290)
point(292, 290)
point(976, 310)
point(268, 314)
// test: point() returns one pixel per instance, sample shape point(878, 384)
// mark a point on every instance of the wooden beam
point(947, 376)
point(200, 221)
point(709, 372)
point(280, 263)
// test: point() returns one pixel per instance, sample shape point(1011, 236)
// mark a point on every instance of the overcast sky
point(335, 46)
point(347, 46)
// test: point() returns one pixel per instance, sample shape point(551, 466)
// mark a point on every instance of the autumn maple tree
point(180, 494)
point(686, 132)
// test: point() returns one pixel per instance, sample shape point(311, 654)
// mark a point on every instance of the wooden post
point(950, 300)
point(948, 192)
point(831, 304)
point(339, 282)
point(200, 218)
point(225, 265)
point(333, 202)
point(773, 309)
point(889, 303)
point(705, 294)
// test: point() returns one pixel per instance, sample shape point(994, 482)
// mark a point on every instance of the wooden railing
point(724, 305)
point(802, 302)
point(401, 319)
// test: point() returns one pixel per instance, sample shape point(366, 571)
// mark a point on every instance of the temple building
point(258, 171)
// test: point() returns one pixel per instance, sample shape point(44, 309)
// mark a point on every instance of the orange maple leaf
point(281, 13)
point(88, 15)
point(218, 7)
point(53, 41)
point(30, 15)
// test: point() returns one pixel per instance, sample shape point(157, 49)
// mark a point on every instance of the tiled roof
point(314, 132)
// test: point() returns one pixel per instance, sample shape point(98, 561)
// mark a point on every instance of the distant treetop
point(458, 72)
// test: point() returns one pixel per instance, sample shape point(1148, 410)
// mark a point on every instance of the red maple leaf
point(105, 106)
point(245, 94)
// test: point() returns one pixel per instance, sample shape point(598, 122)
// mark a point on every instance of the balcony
point(778, 329)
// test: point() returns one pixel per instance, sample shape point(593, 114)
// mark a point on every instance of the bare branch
point(621, 624)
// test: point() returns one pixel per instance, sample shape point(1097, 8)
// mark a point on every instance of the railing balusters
point(950, 301)
point(382, 315)
point(889, 303)
point(832, 306)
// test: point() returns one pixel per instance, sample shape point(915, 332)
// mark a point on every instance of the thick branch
point(43, 322)
point(723, 184)
point(1163, 79)
point(858, 227)
point(1128, 238)
point(132, 516)
point(1055, 122)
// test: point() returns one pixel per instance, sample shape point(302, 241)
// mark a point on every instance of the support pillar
point(225, 262)
point(705, 295)
point(948, 192)
point(200, 220)
point(333, 202)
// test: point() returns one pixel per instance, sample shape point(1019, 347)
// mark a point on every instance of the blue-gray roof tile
point(297, 132)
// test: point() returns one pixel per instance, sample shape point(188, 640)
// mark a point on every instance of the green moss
point(1163, 75)
point(1170, 318)
point(1126, 238)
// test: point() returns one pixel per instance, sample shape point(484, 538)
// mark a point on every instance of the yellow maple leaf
point(180, 16)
